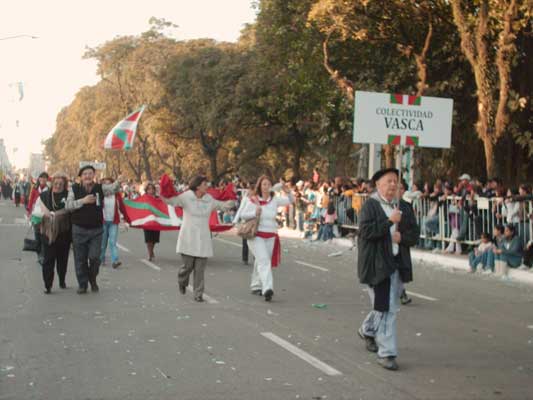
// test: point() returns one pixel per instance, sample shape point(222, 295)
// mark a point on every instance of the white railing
point(455, 219)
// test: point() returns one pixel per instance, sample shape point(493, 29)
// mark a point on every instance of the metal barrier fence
point(453, 220)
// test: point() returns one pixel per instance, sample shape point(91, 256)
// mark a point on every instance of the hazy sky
point(51, 67)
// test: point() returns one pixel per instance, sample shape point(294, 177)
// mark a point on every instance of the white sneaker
point(487, 272)
point(522, 268)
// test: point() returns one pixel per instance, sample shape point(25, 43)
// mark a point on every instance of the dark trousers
point(245, 251)
point(87, 248)
point(55, 255)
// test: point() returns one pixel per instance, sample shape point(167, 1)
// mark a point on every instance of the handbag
point(247, 229)
point(30, 244)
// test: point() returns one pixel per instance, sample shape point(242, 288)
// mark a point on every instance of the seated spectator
point(483, 254)
point(510, 253)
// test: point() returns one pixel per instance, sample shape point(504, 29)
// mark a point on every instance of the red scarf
point(276, 253)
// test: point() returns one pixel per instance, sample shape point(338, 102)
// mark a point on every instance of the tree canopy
point(280, 100)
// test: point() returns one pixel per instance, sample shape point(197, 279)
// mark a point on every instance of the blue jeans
point(486, 259)
point(110, 235)
point(382, 325)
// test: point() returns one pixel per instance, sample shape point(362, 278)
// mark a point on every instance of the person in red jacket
point(112, 205)
point(40, 187)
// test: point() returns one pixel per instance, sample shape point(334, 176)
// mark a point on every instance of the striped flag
point(149, 212)
point(122, 135)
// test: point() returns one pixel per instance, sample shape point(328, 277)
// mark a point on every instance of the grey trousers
point(190, 264)
point(87, 244)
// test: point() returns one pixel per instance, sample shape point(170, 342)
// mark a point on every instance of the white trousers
point(262, 274)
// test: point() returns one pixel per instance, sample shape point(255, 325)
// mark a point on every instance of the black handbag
point(30, 244)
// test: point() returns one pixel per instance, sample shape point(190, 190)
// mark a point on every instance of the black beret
point(385, 171)
point(84, 168)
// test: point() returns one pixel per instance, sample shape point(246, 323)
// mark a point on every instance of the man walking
point(387, 230)
point(86, 199)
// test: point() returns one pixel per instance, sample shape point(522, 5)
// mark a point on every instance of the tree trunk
point(489, 158)
point(213, 165)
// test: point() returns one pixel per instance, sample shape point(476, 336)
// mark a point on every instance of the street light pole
point(19, 36)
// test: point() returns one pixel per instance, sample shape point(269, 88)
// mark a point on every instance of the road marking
point(21, 221)
point(315, 362)
point(312, 266)
point(229, 242)
point(414, 294)
point(150, 264)
point(123, 248)
point(13, 225)
point(206, 297)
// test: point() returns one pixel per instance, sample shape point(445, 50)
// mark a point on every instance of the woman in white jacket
point(266, 245)
point(194, 241)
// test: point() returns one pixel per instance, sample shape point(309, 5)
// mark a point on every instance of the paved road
point(467, 337)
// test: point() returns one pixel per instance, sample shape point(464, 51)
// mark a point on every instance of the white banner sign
point(96, 165)
point(383, 118)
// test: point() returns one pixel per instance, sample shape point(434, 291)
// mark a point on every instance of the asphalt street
point(464, 336)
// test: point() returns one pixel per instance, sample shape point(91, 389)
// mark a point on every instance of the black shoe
point(117, 264)
point(268, 294)
point(388, 363)
point(257, 292)
point(47, 291)
point(62, 285)
point(94, 287)
point(183, 289)
point(199, 299)
point(370, 342)
point(81, 290)
point(405, 299)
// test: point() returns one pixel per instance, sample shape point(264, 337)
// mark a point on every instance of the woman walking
point(266, 245)
point(56, 231)
point(194, 241)
point(151, 237)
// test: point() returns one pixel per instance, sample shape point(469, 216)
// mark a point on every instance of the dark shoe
point(183, 289)
point(117, 264)
point(388, 363)
point(81, 290)
point(257, 292)
point(47, 291)
point(405, 299)
point(94, 287)
point(268, 294)
point(199, 299)
point(370, 342)
point(62, 285)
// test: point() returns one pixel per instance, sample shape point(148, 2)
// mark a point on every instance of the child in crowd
point(483, 254)
point(326, 229)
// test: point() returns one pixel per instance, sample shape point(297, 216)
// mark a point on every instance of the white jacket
point(267, 222)
point(195, 236)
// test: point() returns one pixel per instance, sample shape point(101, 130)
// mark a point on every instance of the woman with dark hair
point(151, 237)
point(266, 245)
point(194, 241)
point(55, 230)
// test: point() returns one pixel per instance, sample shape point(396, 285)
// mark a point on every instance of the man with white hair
point(387, 230)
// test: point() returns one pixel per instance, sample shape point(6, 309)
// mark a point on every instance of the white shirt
point(269, 211)
point(388, 208)
point(109, 208)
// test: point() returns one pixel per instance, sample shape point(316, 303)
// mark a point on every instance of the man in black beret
point(387, 230)
point(85, 199)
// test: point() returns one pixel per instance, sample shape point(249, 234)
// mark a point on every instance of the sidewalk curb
point(449, 262)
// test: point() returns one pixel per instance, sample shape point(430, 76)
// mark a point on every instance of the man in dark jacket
point(387, 230)
point(85, 200)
